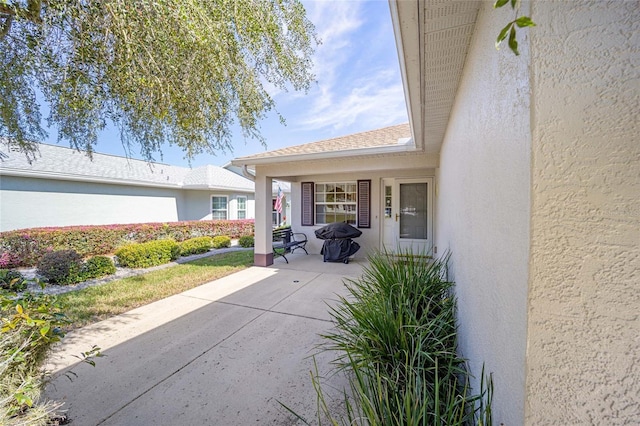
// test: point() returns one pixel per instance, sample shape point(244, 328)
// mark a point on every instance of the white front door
point(407, 215)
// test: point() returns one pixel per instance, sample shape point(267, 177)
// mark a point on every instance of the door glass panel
point(413, 211)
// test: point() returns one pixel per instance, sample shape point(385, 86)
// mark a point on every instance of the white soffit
point(445, 31)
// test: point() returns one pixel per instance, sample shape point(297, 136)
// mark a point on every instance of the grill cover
point(339, 250)
point(337, 230)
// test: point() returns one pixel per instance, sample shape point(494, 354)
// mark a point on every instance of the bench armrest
point(299, 237)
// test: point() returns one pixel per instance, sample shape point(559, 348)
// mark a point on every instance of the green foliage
point(221, 241)
point(184, 73)
point(25, 247)
point(246, 241)
point(12, 280)
point(97, 267)
point(510, 28)
point(61, 267)
point(195, 246)
point(396, 333)
point(145, 255)
point(30, 325)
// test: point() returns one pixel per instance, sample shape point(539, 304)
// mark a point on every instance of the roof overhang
point(432, 38)
point(403, 146)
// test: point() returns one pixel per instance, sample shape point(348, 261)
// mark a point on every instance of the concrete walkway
point(225, 353)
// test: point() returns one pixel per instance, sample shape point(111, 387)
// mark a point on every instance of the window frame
point(226, 207)
point(238, 209)
point(321, 199)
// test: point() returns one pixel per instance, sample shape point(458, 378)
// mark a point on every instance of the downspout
point(245, 173)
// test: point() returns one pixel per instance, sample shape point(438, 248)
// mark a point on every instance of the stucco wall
point(28, 202)
point(370, 239)
point(483, 212)
point(198, 204)
point(583, 361)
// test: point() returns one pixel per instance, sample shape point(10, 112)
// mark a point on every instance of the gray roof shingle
point(385, 137)
point(56, 162)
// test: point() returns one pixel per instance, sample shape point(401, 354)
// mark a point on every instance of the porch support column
point(263, 250)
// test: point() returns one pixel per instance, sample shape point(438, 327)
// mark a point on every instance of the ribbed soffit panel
point(447, 28)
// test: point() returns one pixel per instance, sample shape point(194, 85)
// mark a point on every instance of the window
point(219, 207)
point(242, 207)
point(324, 203)
point(336, 202)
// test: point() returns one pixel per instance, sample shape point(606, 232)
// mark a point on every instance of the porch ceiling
point(433, 38)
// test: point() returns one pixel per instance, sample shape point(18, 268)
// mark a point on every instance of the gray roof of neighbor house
point(387, 138)
point(61, 163)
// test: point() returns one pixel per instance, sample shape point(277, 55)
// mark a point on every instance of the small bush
point(61, 267)
point(145, 255)
point(221, 241)
point(97, 267)
point(246, 241)
point(195, 246)
point(12, 280)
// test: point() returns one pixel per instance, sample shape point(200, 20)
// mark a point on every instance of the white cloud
point(359, 84)
point(368, 106)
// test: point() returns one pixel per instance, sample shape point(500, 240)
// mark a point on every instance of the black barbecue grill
point(338, 244)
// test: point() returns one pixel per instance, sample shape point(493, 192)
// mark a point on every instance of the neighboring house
point(279, 216)
point(63, 187)
point(527, 170)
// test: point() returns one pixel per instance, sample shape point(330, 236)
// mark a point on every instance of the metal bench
point(286, 241)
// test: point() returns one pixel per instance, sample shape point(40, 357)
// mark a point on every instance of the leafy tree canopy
point(163, 71)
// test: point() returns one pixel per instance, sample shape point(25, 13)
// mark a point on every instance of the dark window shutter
point(364, 204)
point(307, 204)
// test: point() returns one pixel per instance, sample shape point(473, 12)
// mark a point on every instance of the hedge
point(25, 247)
point(145, 255)
point(195, 245)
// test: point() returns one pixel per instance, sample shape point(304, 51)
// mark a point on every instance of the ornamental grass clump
point(396, 334)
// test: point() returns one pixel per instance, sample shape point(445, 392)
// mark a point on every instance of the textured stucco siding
point(198, 204)
point(583, 359)
point(483, 192)
point(28, 203)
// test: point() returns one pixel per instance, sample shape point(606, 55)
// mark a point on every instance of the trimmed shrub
point(26, 247)
point(61, 267)
point(195, 246)
point(12, 280)
point(221, 242)
point(246, 241)
point(98, 266)
point(145, 255)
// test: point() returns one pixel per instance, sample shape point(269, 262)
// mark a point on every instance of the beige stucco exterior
point(583, 352)
point(483, 213)
point(537, 177)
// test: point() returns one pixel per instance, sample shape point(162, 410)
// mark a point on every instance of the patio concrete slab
point(224, 353)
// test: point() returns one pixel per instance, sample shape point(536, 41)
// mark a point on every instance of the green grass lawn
point(93, 304)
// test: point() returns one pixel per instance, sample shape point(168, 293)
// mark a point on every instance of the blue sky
point(358, 86)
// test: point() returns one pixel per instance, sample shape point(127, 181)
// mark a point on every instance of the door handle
point(397, 216)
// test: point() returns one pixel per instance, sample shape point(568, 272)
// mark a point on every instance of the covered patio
point(228, 352)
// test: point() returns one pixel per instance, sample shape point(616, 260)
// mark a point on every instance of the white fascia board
point(216, 188)
point(406, 30)
point(403, 145)
point(77, 178)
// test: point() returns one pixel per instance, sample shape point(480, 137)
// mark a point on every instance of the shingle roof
point(385, 137)
point(56, 162)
